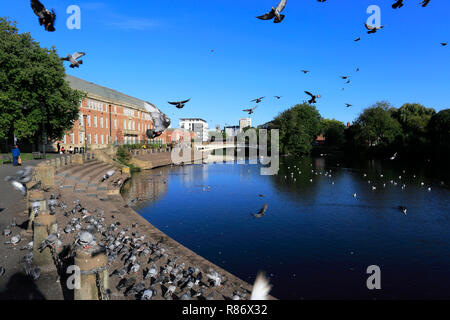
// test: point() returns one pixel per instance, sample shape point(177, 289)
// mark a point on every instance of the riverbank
point(81, 183)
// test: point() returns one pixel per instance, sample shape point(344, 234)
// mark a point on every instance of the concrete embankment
point(78, 178)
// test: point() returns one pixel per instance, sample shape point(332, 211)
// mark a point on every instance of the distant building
point(177, 135)
point(232, 131)
point(244, 123)
point(197, 125)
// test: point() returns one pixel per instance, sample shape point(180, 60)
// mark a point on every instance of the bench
point(6, 158)
point(37, 155)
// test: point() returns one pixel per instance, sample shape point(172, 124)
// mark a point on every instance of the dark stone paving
point(14, 284)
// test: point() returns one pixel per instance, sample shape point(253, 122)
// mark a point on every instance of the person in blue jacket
point(15, 153)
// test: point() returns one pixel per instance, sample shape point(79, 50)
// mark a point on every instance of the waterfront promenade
point(75, 181)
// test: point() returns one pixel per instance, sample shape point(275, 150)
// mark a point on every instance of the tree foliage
point(376, 128)
point(299, 126)
point(33, 89)
point(439, 132)
point(334, 132)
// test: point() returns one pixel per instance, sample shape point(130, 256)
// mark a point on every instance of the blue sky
point(160, 51)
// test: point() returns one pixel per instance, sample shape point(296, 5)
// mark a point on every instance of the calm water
point(316, 240)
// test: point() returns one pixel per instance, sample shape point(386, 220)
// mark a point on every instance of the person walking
point(58, 146)
point(16, 154)
point(70, 150)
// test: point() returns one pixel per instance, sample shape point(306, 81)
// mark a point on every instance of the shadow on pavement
point(21, 287)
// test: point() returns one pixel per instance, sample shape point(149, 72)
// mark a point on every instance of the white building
point(244, 123)
point(232, 131)
point(199, 126)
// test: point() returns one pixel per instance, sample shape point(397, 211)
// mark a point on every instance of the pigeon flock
point(140, 267)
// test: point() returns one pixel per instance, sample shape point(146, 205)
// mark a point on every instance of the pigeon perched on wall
point(179, 104)
point(50, 241)
point(261, 288)
point(275, 13)
point(313, 97)
point(46, 17)
point(73, 59)
point(108, 175)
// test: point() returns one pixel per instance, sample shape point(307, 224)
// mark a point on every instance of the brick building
point(107, 115)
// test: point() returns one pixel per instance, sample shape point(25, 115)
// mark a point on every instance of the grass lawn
point(24, 156)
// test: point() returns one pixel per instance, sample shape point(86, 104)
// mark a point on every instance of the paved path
point(14, 284)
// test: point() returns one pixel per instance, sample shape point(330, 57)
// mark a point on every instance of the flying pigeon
point(160, 120)
point(250, 111)
point(398, 4)
point(344, 77)
point(348, 105)
point(372, 29)
point(258, 100)
point(277, 97)
point(357, 39)
point(305, 71)
point(424, 3)
point(261, 288)
point(261, 212)
point(2, 270)
point(179, 104)
point(403, 209)
point(20, 179)
point(313, 97)
point(275, 13)
point(444, 44)
point(73, 59)
point(46, 17)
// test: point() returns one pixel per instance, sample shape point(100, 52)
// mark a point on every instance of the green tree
point(414, 119)
point(299, 126)
point(376, 128)
point(33, 90)
point(439, 132)
point(334, 132)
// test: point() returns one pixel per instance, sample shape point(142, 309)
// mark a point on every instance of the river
point(317, 239)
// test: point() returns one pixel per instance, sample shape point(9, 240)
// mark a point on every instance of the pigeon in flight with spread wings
point(258, 100)
point(424, 3)
point(372, 29)
point(398, 4)
point(275, 13)
point(73, 59)
point(179, 104)
point(46, 17)
point(313, 97)
point(250, 111)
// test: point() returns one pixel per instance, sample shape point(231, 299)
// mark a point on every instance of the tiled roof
point(106, 93)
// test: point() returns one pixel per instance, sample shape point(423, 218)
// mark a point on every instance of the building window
point(80, 119)
point(89, 139)
point(72, 138)
point(89, 121)
point(115, 123)
point(95, 121)
point(95, 139)
point(124, 124)
point(80, 138)
point(101, 139)
point(115, 109)
point(106, 121)
point(101, 122)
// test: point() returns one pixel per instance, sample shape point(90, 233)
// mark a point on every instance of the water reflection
point(316, 239)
